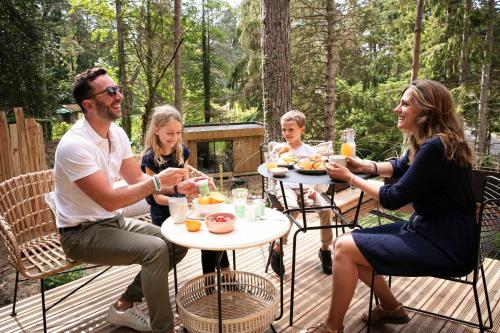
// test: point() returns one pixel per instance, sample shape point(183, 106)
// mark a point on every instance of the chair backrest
point(23, 207)
point(489, 216)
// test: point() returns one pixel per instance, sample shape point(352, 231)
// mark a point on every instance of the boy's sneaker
point(276, 263)
point(326, 260)
point(132, 317)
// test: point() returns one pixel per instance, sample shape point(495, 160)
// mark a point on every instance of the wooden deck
point(86, 310)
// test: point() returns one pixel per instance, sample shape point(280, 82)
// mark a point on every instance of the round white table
point(246, 234)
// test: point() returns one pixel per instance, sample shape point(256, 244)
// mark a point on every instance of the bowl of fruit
point(208, 204)
point(220, 223)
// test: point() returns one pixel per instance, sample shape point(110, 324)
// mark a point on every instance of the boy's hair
point(161, 116)
point(294, 115)
point(81, 86)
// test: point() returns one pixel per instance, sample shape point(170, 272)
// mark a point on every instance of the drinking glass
point(178, 207)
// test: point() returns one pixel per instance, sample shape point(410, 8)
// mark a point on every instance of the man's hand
point(170, 177)
point(188, 187)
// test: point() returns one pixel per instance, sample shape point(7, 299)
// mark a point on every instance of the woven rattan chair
point(28, 230)
point(489, 226)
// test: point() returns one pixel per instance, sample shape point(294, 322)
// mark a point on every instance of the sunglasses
point(110, 90)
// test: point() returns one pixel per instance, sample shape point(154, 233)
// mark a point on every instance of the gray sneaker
point(132, 317)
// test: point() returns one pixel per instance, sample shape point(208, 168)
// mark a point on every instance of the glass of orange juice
point(271, 162)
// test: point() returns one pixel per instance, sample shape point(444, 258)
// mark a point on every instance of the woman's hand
point(338, 172)
point(358, 165)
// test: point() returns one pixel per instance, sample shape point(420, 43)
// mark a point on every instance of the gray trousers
point(119, 241)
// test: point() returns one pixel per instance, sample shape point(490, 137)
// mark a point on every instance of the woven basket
point(249, 303)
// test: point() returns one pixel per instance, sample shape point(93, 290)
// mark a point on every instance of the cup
point(260, 207)
point(178, 207)
point(339, 159)
point(203, 187)
point(239, 207)
point(271, 162)
point(251, 212)
point(239, 193)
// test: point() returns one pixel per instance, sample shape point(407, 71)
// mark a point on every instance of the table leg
point(281, 286)
point(175, 270)
point(219, 296)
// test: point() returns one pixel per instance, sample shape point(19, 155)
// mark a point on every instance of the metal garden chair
point(489, 226)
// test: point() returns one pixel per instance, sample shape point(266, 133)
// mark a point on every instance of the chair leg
point(13, 313)
point(44, 312)
point(487, 298)
point(271, 246)
point(478, 308)
point(368, 324)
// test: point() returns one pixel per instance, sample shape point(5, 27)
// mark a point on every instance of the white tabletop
point(245, 234)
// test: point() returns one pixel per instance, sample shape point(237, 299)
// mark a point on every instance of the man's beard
point(105, 112)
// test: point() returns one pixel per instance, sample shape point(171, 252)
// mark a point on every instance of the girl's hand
point(338, 172)
point(188, 187)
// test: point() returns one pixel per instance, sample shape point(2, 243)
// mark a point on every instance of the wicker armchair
point(28, 230)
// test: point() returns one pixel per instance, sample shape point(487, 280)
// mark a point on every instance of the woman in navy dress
point(435, 177)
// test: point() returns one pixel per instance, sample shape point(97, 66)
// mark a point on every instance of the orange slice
point(192, 225)
point(204, 200)
point(216, 197)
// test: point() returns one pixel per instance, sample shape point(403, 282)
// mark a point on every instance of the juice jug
point(348, 147)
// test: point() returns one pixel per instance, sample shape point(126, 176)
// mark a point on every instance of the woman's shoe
point(381, 316)
point(322, 328)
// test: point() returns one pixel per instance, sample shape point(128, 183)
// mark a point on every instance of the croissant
point(284, 149)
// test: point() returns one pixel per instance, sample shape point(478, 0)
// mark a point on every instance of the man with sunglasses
point(89, 158)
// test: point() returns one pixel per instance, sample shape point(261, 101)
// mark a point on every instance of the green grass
point(63, 278)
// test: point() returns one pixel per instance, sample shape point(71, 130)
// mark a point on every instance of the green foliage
point(59, 128)
point(60, 279)
point(57, 39)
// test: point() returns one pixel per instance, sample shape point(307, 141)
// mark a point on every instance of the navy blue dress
point(160, 213)
point(439, 238)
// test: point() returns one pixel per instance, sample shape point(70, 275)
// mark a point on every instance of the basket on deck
point(249, 303)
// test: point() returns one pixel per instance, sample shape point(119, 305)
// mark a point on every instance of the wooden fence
point(22, 148)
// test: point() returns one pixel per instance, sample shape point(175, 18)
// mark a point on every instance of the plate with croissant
point(312, 165)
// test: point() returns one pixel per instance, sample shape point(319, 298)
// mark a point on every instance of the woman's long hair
point(161, 116)
point(438, 118)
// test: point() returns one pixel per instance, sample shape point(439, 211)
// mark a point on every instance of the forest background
point(45, 43)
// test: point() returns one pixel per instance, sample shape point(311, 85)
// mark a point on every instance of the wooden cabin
point(234, 147)
point(68, 113)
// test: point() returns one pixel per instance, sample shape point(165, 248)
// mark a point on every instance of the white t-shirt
point(80, 153)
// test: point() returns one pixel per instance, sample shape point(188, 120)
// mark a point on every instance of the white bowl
point(205, 209)
point(279, 171)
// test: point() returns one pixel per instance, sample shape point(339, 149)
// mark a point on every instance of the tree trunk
point(331, 72)
point(177, 60)
point(276, 81)
point(416, 45)
point(122, 68)
point(482, 120)
point(464, 50)
point(206, 62)
point(148, 105)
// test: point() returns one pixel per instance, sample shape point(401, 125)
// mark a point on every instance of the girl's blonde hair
point(438, 118)
point(161, 116)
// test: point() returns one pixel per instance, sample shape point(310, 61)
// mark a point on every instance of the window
point(213, 153)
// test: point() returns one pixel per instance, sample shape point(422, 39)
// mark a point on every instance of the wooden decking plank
point(86, 310)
